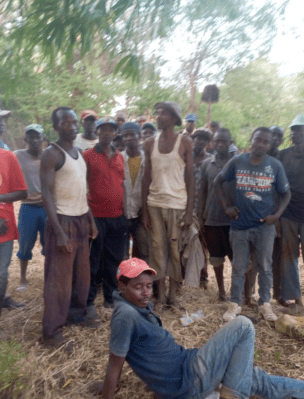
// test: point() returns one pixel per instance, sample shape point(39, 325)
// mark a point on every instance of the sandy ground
point(56, 375)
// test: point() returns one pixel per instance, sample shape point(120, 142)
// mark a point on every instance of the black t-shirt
point(294, 168)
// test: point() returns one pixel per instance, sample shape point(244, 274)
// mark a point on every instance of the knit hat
point(148, 125)
point(130, 126)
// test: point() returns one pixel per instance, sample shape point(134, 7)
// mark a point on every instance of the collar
point(214, 159)
point(144, 311)
point(98, 149)
point(126, 156)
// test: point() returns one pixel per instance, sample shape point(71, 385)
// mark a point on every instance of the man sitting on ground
point(170, 370)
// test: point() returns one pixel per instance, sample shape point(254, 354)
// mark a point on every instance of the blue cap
point(107, 120)
point(130, 126)
point(191, 118)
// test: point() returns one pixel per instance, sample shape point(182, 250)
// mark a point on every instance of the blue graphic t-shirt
point(255, 186)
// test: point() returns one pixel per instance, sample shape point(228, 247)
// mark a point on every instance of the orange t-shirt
point(11, 179)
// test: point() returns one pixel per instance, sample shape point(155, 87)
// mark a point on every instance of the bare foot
point(96, 388)
point(176, 305)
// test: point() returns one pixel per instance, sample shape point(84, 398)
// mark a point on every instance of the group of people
point(88, 194)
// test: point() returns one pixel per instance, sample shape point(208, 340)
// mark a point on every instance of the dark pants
point(277, 267)
point(292, 238)
point(140, 240)
point(66, 275)
point(108, 247)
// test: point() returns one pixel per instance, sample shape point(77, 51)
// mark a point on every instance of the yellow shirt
point(134, 165)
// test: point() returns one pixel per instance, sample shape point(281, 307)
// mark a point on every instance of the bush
point(10, 366)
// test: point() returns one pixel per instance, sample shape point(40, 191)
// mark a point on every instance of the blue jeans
point(261, 240)
point(6, 250)
point(31, 220)
point(227, 359)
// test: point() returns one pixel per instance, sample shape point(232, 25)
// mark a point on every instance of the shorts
point(31, 220)
point(217, 240)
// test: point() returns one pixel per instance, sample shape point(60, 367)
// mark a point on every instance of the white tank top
point(168, 187)
point(70, 188)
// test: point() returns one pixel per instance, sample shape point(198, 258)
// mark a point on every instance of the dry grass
point(56, 375)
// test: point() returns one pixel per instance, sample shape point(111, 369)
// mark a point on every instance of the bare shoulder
point(51, 156)
point(187, 142)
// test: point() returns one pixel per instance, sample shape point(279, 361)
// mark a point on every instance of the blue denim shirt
point(150, 350)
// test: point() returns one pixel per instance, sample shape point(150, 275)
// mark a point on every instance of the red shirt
point(105, 180)
point(11, 179)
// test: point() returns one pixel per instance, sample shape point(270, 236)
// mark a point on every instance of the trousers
point(227, 359)
point(261, 240)
point(66, 275)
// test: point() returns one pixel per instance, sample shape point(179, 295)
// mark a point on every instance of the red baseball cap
point(132, 268)
point(85, 114)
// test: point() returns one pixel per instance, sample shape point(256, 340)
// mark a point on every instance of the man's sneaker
point(233, 310)
point(266, 312)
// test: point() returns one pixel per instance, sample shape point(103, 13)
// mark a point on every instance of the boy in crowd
point(148, 130)
point(32, 215)
point(134, 165)
point(105, 180)
point(292, 221)
point(257, 176)
point(277, 140)
point(167, 195)
point(120, 119)
point(68, 228)
point(201, 138)
point(89, 138)
point(214, 222)
point(170, 370)
point(191, 120)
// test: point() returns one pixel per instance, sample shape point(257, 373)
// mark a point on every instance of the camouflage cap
point(37, 128)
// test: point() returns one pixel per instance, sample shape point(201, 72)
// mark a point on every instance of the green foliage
point(257, 355)
point(10, 355)
point(277, 356)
